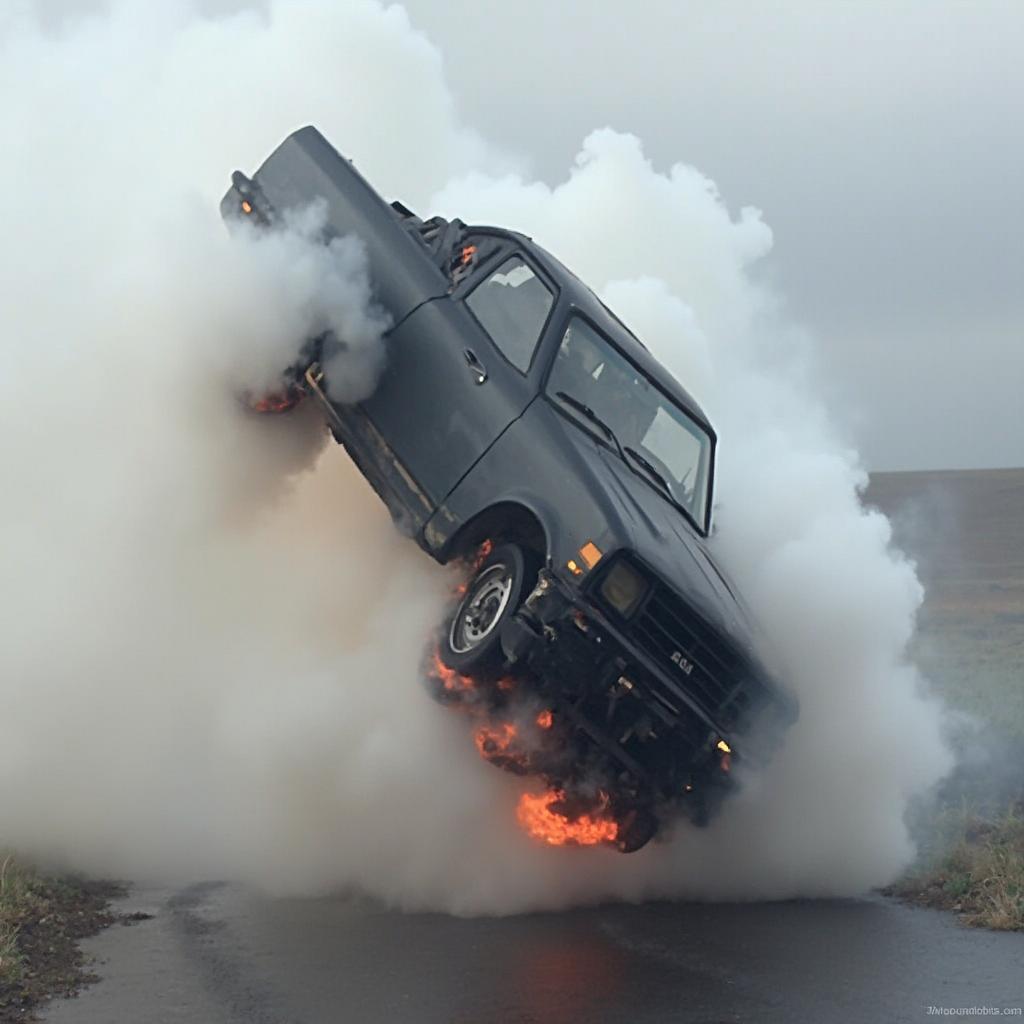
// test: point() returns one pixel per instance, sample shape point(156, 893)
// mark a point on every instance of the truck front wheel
point(636, 829)
point(471, 641)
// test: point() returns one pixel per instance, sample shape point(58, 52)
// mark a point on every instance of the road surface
point(217, 954)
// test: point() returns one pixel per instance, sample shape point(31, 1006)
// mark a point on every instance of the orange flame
point(451, 680)
point(495, 741)
point(481, 554)
point(497, 745)
point(545, 718)
point(276, 403)
point(539, 818)
point(479, 557)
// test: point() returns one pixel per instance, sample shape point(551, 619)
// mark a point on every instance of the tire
point(471, 639)
point(636, 829)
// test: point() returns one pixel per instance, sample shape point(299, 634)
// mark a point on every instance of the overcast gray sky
point(881, 140)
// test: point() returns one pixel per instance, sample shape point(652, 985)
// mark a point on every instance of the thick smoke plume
point(212, 634)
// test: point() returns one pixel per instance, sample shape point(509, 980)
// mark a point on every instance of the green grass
point(42, 918)
point(975, 867)
point(14, 903)
point(972, 843)
point(977, 664)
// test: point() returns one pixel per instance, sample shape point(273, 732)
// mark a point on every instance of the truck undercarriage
point(570, 703)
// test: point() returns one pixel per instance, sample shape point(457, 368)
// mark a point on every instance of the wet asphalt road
point(219, 955)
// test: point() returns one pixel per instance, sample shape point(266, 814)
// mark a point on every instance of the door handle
point(477, 368)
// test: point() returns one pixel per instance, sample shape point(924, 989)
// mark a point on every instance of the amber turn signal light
point(591, 554)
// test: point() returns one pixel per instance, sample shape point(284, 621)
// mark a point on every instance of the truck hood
point(640, 519)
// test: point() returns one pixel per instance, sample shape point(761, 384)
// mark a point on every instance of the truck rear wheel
point(471, 641)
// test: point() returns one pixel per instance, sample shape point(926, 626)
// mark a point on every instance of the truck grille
point(722, 680)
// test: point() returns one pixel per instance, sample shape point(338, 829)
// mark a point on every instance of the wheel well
point(506, 521)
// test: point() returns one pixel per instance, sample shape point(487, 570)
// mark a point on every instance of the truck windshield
point(657, 439)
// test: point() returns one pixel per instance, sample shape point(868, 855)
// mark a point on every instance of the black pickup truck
point(520, 426)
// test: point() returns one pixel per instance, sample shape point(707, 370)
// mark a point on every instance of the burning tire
point(471, 642)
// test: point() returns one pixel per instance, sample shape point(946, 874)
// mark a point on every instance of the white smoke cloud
point(212, 634)
point(837, 601)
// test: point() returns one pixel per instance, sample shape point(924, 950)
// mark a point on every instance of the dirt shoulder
point(42, 919)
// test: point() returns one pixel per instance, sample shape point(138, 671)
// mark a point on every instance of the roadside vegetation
point(974, 867)
point(971, 857)
point(42, 918)
point(965, 530)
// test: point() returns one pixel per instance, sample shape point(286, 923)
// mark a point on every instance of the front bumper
point(615, 694)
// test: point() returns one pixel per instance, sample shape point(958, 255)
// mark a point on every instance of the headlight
point(624, 588)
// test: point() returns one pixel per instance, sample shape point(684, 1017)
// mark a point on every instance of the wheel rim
point(481, 609)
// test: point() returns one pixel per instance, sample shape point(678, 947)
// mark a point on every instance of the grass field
point(966, 532)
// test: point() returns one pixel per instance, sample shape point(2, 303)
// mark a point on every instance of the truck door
point(458, 371)
point(307, 169)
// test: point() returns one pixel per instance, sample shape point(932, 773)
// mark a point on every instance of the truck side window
point(512, 305)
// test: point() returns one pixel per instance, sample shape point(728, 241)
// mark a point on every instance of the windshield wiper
point(662, 483)
point(589, 413)
point(653, 473)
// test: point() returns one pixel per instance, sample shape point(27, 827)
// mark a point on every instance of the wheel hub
point(481, 608)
